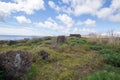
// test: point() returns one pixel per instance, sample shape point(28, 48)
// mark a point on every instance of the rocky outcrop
point(15, 63)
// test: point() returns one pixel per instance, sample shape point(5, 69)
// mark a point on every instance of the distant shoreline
point(17, 37)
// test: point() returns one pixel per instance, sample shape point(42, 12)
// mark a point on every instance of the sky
point(59, 17)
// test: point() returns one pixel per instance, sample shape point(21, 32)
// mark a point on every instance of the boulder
point(12, 42)
point(15, 63)
point(43, 54)
point(61, 39)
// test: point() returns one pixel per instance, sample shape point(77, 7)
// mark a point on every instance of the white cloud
point(50, 24)
point(53, 5)
point(17, 31)
point(79, 7)
point(92, 7)
point(27, 6)
point(66, 19)
point(112, 12)
point(87, 30)
point(88, 22)
point(22, 19)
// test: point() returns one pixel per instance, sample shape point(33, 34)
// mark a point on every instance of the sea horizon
point(17, 37)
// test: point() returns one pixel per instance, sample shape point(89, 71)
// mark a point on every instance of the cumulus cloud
point(88, 22)
point(79, 7)
point(92, 7)
point(27, 6)
point(53, 5)
point(22, 19)
point(49, 23)
point(111, 13)
point(66, 19)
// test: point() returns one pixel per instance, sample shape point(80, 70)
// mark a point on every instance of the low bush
point(103, 75)
point(106, 51)
point(113, 59)
point(97, 48)
point(78, 41)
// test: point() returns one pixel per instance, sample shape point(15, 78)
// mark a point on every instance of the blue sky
point(59, 17)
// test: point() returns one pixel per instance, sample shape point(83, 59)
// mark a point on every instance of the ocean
point(16, 37)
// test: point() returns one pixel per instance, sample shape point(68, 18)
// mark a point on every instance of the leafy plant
point(97, 48)
point(106, 51)
point(103, 75)
point(113, 59)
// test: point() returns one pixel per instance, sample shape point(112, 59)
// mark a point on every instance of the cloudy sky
point(59, 17)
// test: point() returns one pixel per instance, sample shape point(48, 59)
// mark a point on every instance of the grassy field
point(77, 59)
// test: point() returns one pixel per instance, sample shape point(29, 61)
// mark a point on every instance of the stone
point(47, 38)
point(43, 54)
point(16, 63)
point(75, 35)
point(61, 39)
point(12, 42)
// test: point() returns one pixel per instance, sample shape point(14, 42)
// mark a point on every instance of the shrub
point(34, 41)
point(78, 41)
point(113, 59)
point(97, 48)
point(106, 51)
point(103, 75)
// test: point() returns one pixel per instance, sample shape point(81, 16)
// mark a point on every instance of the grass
point(77, 59)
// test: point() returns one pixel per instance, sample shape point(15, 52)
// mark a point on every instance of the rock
point(16, 63)
point(61, 39)
point(75, 35)
point(47, 38)
point(43, 54)
point(12, 42)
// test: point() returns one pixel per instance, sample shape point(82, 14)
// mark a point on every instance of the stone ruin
point(61, 39)
point(15, 63)
point(75, 35)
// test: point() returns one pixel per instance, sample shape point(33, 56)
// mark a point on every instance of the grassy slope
point(75, 60)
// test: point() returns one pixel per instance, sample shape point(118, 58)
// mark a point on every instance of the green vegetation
point(77, 59)
point(104, 75)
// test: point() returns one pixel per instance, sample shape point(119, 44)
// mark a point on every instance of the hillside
point(76, 59)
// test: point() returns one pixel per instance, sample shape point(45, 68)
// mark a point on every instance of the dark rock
point(61, 39)
point(43, 54)
point(75, 35)
point(47, 38)
point(15, 63)
point(12, 42)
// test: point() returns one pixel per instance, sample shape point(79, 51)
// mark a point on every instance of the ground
point(77, 59)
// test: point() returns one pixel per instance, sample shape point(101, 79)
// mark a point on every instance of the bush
point(78, 41)
point(97, 48)
point(106, 51)
point(103, 75)
point(35, 41)
point(113, 59)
